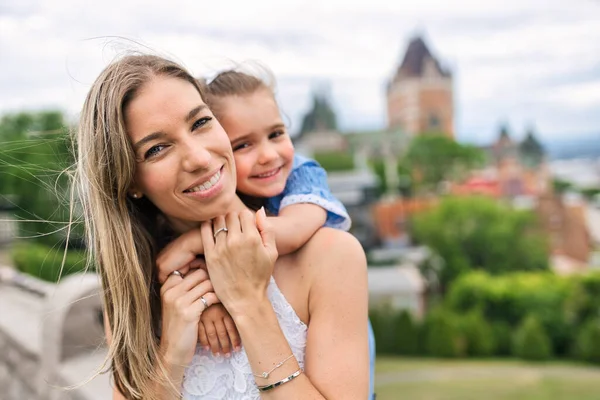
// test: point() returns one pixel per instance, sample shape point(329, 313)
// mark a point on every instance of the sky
point(528, 63)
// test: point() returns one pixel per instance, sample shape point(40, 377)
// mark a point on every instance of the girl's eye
point(241, 146)
point(153, 151)
point(201, 122)
point(276, 134)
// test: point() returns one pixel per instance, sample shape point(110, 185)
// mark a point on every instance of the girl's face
point(262, 148)
point(185, 165)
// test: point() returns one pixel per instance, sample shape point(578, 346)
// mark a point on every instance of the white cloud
point(526, 61)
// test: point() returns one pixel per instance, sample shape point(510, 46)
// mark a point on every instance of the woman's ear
point(135, 193)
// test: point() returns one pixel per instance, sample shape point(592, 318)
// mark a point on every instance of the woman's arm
point(337, 365)
point(337, 358)
point(182, 306)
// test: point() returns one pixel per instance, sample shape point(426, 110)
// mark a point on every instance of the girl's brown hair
point(122, 233)
point(235, 83)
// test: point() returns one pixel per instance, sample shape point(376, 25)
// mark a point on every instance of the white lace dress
point(211, 377)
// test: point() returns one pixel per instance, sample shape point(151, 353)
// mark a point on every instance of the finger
point(208, 241)
point(171, 282)
point(202, 339)
point(179, 253)
point(218, 224)
point(248, 222)
point(193, 279)
point(198, 263)
point(198, 291)
point(233, 224)
point(234, 336)
point(267, 233)
point(213, 338)
point(223, 337)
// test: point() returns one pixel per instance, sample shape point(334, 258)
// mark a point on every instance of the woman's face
point(185, 164)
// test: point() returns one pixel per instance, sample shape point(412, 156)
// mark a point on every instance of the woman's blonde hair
point(122, 233)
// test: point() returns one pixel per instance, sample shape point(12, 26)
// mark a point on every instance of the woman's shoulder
point(333, 250)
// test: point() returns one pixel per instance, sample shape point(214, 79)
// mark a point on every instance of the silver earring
point(135, 195)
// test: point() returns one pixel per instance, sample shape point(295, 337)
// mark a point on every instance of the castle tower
point(420, 96)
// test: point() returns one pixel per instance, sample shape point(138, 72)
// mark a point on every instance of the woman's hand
point(240, 260)
point(182, 305)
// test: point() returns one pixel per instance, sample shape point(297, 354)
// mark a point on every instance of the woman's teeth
point(208, 184)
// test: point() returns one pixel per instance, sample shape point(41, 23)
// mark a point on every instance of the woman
point(154, 165)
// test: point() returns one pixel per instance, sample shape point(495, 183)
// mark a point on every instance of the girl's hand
point(218, 332)
point(182, 305)
point(240, 260)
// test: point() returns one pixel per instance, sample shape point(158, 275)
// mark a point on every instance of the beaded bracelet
point(272, 386)
point(266, 374)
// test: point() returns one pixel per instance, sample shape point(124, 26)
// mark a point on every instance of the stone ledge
point(21, 318)
point(78, 370)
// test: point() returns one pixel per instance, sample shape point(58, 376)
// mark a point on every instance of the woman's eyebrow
point(158, 135)
point(194, 112)
point(146, 139)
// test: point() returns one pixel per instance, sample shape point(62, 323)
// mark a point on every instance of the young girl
point(295, 188)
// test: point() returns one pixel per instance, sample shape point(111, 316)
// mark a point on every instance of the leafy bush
point(45, 262)
point(531, 341)
point(383, 330)
point(442, 335)
point(476, 233)
point(502, 338)
point(406, 334)
point(335, 161)
point(478, 335)
point(587, 343)
point(511, 297)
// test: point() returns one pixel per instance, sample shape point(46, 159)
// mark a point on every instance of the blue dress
point(307, 183)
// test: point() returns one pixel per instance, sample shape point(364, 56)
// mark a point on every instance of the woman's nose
point(195, 157)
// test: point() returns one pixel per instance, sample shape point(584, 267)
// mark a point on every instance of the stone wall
point(51, 338)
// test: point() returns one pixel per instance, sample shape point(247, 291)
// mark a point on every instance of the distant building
point(565, 221)
point(420, 94)
point(514, 170)
point(400, 287)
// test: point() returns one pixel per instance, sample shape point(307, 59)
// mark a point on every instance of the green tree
point(479, 233)
point(478, 335)
point(321, 115)
point(35, 151)
point(531, 341)
point(435, 158)
point(587, 343)
point(442, 335)
point(406, 334)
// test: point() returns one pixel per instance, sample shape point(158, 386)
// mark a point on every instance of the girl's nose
point(267, 154)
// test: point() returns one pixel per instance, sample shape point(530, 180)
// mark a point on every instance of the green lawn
point(429, 379)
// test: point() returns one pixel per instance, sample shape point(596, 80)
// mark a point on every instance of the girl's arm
point(295, 225)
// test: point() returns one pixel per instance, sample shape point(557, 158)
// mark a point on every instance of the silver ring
point(204, 301)
point(223, 229)
point(179, 274)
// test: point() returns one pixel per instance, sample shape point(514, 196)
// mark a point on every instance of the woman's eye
point(153, 151)
point(276, 134)
point(201, 122)
point(241, 146)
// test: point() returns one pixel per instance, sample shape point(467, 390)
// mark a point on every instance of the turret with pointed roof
point(420, 94)
point(417, 60)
